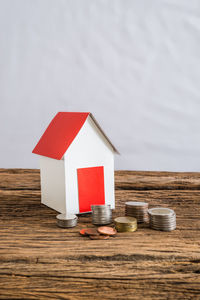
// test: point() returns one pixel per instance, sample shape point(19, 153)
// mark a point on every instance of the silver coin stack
point(66, 220)
point(138, 210)
point(101, 214)
point(162, 218)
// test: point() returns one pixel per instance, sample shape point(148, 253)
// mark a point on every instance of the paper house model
point(76, 164)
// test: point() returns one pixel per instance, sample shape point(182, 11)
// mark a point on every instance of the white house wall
point(53, 183)
point(88, 150)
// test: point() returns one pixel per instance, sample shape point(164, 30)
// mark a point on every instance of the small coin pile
point(66, 220)
point(162, 218)
point(101, 233)
point(125, 224)
point(101, 214)
point(138, 210)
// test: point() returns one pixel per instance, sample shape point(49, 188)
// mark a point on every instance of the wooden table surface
point(42, 261)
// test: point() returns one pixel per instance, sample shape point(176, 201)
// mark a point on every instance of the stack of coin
point(66, 220)
point(138, 210)
point(126, 224)
point(162, 218)
point(101, 214)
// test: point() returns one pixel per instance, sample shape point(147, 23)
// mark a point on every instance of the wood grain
point(38, 260)
point(131, 180)
point(29, 179)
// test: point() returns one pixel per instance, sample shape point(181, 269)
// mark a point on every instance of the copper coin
point(91, 231)
point(107, 230)
point(99, 237)
point(82, 232)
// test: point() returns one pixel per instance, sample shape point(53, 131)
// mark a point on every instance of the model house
point(76, 164)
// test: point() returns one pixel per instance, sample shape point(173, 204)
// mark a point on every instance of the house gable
point(89, 149)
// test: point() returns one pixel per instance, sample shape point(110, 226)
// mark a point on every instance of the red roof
point(60, 134)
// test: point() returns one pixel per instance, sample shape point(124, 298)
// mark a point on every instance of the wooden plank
point(29, 179)
point(47, 287)
point(21, 203)
point(17, 202)
point(39, 260)
point(19, 171)
point(43, 259)
point(19, 179)
point(135, 180)
point(163, 285)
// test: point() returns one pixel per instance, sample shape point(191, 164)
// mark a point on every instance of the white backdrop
point(134, 64)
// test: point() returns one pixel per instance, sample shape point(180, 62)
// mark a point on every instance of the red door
point(90, 187)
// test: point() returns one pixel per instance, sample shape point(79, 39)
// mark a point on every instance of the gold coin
point(122, 228)
point(126, 224)
point(125, 220)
